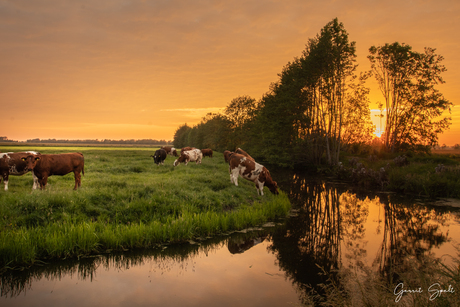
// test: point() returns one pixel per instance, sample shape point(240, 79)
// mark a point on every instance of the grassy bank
point(431, 175)
point(126, 201)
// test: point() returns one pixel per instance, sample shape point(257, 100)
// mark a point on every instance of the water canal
point(331, 227)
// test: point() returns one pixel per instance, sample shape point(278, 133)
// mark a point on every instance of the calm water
point(331, 227)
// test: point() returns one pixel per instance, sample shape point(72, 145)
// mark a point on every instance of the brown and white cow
point(253, 171)
point(59, 164)
point(173, 152)
point(242, 152)
point(194, 155)
point(207, 152)
point(17, 163)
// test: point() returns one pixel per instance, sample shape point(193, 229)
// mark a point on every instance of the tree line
point(105, 141)
point(319, 106)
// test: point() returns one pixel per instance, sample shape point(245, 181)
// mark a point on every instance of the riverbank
point(433, 175)
point(125, 202)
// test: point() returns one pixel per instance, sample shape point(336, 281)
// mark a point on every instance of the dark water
point(332, 227)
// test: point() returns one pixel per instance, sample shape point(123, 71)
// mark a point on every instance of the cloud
point(194, 113)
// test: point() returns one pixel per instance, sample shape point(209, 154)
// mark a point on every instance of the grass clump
point(125, 202)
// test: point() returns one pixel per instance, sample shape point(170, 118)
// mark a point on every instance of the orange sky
point(121, 69)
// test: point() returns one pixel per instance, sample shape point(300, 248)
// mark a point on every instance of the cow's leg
point(234, 176)
point(5, 180)
point(36, 185)
point(260, 187)
point(43, 182)
point(77, 179)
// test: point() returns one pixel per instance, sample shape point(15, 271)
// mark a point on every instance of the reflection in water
point(340, 229)
point(335, 228)
point(238, 245)
point(411, 233)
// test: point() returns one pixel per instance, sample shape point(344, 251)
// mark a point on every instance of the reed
point(125, 202)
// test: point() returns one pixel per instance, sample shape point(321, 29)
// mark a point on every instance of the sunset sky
point(120, 69)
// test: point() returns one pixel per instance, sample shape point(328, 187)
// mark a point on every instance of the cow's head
point(269, 182)
point(29, 160)
point(181, 158)
point(273, 187)
point(227, 155)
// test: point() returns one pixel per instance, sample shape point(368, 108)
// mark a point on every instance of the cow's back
point(244, 153)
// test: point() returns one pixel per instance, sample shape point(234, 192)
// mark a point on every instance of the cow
point(17, 163)
point(159, 156)
point(242, 152)
point(227, 155)
point(207, 152)
point(252, 171)
point(173, 152)
point(194, 155)
point(166, 148)
point(186, 149)
point(58, 164)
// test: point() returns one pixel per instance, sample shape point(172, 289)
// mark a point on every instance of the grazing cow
point(207, 152)
point(60, 164)
point(253, 171)
point(242, 152)
point(194, 155)
point(17, 163)
point(159, 157)
point(227, 155)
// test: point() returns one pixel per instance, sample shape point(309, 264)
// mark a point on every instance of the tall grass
point(125, 202)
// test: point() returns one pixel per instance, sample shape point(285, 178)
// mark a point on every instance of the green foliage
point(126, 201)
point(181, 136)
point(414, 107)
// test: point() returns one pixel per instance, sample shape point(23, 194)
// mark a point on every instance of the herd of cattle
point(44, 165)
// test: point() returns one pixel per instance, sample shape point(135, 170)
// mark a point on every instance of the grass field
point(125, 201)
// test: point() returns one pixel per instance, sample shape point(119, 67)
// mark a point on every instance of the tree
point(357, 124)
point(336, 57)
point(301, 118)
point(216, 130)
point(240, 112)
point(181, 136)
point(407, 80)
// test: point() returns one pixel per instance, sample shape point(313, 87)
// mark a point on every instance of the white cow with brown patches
point(194, 155)
point(241, 165)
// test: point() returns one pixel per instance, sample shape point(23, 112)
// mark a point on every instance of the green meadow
point(125, 202)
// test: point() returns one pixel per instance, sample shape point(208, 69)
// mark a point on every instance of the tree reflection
point(330, 233)
point(310, 243)
point(410, 234)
